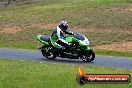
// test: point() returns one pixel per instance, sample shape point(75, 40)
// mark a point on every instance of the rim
point(87, 57)
point(48, 54)
point(51, 55)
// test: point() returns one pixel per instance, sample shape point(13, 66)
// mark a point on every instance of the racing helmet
point(63, 25)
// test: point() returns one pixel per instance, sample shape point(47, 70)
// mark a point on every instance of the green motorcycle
point(78, 48)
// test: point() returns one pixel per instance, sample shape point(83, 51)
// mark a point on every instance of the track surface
point(119, 62)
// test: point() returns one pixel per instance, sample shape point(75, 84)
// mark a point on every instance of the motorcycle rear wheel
point(47, 54)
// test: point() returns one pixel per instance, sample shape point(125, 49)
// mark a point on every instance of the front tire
point(88, 57)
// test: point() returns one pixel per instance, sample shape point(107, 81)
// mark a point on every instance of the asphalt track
point(109, 61)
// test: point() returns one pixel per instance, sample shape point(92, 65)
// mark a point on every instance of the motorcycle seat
point(45, 38)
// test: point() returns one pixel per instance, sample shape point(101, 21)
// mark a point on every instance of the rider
point(57, 37)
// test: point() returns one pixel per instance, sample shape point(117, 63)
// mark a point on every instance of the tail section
point(43, 39)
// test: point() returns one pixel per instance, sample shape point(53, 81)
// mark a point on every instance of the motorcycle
point(78, 48)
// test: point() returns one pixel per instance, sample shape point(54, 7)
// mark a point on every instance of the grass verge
point(84, 13)
point(113, 53)
point(30, 74)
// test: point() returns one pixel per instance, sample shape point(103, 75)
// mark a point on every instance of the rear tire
point(47, 54)
point(88, 57)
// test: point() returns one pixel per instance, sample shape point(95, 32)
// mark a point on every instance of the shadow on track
point(67, 61)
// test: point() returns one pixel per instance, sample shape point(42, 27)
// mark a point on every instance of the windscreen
point(79, 36)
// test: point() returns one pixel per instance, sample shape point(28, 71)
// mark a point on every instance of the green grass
point(113, 53)
point(26, 39)
point(30, 74)
point(78, 12)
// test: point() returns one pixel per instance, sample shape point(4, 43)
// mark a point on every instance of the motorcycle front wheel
point(88, 57)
